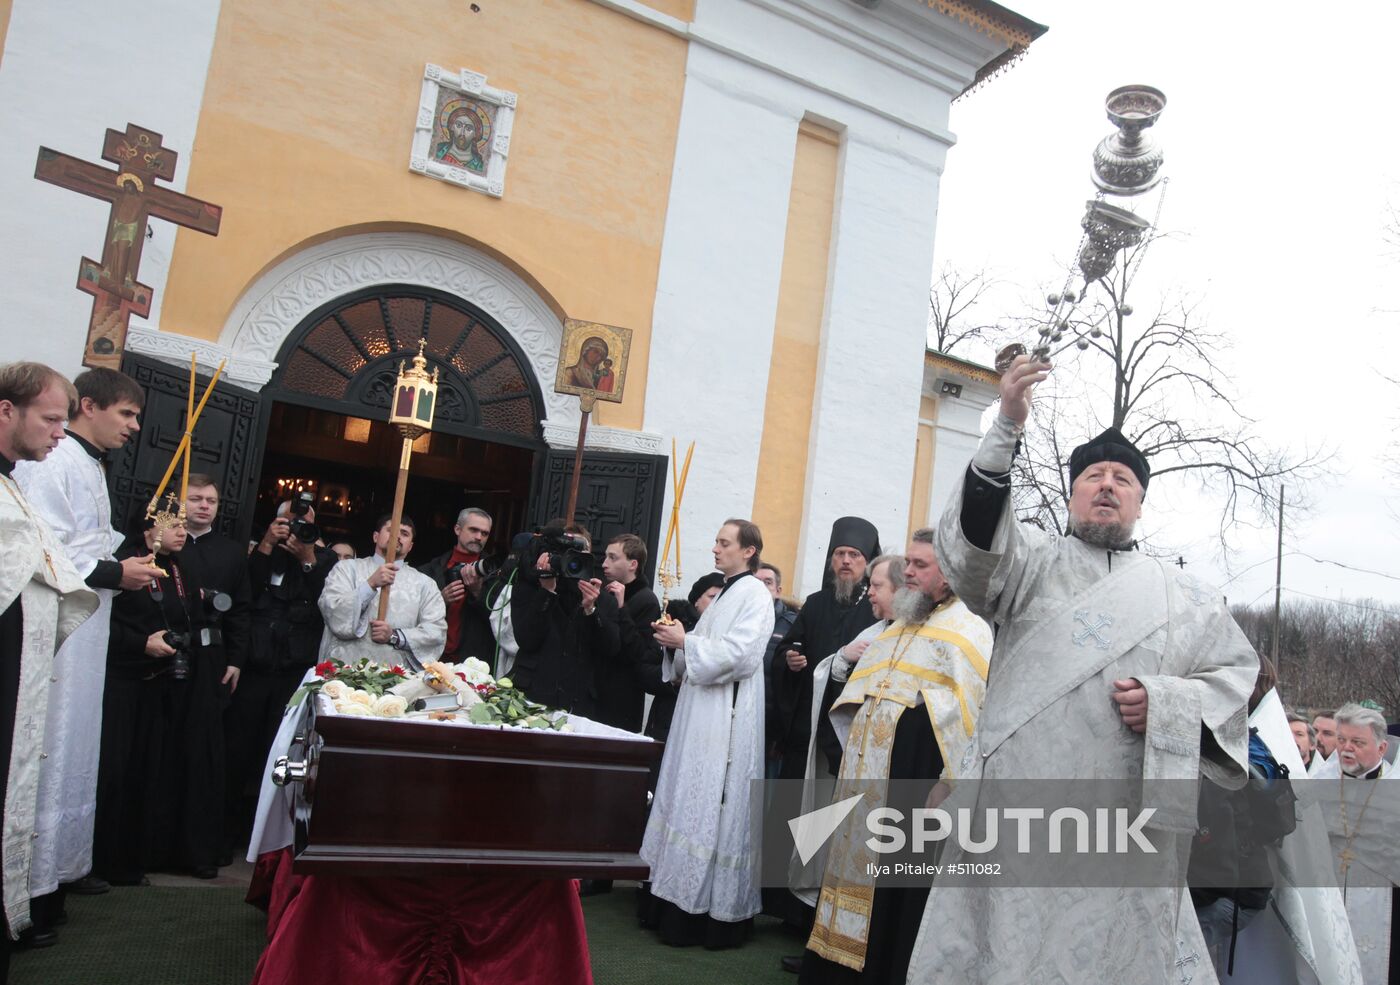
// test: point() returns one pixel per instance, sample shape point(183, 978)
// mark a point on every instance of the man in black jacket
point(830, 618)
point(464, 590)
point(219, 564)
point(622, 634)
point(552, 619)
point(286, 573)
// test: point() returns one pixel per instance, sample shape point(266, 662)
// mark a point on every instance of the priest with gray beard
point(906, 709)
point(1109, 665)
point(829, 619)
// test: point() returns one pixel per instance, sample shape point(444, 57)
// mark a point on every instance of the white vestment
point(1368, 887)
point(55, 602)
point(1071, 619)
point(348, 605)
point(698, 840)
point(69, 490)
point(1303, 936)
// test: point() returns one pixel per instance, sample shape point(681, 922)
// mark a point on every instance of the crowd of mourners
point(146, 673)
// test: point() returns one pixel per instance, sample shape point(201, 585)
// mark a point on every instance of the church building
point(743, 193)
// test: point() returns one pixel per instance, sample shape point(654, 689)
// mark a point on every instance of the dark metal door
point(618, 493)
point(226, 444)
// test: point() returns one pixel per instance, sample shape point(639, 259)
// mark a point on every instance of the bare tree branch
point(1159, 379)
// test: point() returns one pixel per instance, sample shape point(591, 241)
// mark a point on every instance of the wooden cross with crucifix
point(134, 197)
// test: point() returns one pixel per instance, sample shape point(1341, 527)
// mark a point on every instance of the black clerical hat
point(703, 584)
point(857, 532)
point(1111, 446)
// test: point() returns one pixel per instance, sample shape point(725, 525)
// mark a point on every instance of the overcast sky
point(1283, 155)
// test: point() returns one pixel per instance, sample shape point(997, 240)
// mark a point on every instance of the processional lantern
point(411, 411)
point(1127, 163)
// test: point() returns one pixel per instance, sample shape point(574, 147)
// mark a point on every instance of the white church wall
point(142, 63)
point(956, 434)
point(883, 80)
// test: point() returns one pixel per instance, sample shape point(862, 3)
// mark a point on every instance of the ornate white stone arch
point(279, 300)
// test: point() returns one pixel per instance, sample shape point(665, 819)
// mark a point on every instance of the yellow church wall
point(683, 10)
point(792, 375)
point(923, 464)
point(306, 125)
point(5, 7)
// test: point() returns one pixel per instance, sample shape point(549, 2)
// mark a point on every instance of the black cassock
point(823, 626)
point(160, 781)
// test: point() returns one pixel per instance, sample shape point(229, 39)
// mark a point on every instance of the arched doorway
point(292, 369)
point(324, 406)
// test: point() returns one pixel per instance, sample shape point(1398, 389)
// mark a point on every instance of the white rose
point(335, 690)
point(348, 707)
point(390, 706)
point(360, 697)
point(475, 671)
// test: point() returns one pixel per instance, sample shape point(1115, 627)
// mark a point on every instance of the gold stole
point(941, 662)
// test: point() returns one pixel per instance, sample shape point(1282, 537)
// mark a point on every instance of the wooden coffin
point(414, 799)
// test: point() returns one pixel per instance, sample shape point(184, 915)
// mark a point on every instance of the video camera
point(569, 556)
point(300, 527)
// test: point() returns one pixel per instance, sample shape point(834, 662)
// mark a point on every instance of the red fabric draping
point(273, 885)
point(464, 930)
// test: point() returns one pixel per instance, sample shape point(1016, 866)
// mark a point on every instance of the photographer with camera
point(553, 608)
point(463, 574)
point(160, 781)
point(221, 564)
point(286, 573)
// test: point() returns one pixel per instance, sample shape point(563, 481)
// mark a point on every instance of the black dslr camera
point(179, 661)
point(484, 567)
point(300, 527)
point(569, 556)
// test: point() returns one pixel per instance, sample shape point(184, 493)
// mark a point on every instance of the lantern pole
point(415, 399)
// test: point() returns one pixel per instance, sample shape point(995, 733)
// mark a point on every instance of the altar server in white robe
point(69, 490)
point(702, 853)
point(415, 627)
point(1108, 664)
point(1363, 831)
point(43, 601)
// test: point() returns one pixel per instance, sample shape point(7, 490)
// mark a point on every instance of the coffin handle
point(285, 772)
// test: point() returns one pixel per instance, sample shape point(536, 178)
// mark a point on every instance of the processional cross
point(131, 189)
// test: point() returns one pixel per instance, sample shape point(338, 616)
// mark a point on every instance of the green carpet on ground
point(209, 936)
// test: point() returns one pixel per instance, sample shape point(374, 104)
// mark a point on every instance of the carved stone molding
point(284, 296)
point(604, 439)
point(176, 349)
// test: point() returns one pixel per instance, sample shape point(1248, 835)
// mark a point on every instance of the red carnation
point(398, 671)
point(462, 676)
point(325, 668)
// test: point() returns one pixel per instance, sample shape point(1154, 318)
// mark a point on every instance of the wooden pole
point(585, 406)
point(392, 550)
point(1278, 581)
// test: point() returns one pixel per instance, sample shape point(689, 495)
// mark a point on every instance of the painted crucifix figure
point(131, 189)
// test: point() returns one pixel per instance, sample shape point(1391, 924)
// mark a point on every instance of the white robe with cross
point(698, 841)
point(55, 602)
point(1071, 619)
point(69, 490)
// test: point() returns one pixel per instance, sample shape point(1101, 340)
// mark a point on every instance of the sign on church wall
point(462, 135)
